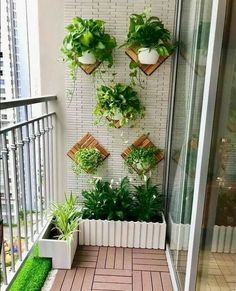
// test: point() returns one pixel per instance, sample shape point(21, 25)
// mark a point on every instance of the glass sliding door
point(190, 78)
point(217, 258)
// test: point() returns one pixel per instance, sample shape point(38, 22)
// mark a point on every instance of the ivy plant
point(141, 159)
point(148, 202)
point(119, 100)
point(65, 217)
point(87, 160)
point(87, 35)
point(148, 32)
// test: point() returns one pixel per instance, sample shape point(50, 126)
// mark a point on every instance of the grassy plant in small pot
point(87, 160)
point(85, 43)
point(148, 202)
point(118, 103)
point(149, 38)
point(141, 159)
point(60, 236)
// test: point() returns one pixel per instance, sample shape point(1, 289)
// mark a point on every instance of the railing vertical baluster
point(38, 134)
point(44, 168)
point(28, 170)
point(47, 161)
point(22, 184)
point(34, 174)
point(16, 191)
point(3, 263)
point(51, 156)
point(7, 193)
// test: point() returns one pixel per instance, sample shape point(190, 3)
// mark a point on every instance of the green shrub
point(32, 274)
point(87, 160)
point(121, 100)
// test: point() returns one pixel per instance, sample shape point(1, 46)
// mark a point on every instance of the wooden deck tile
point(110, 268)
point(146, 281)
point(59, 280)
point(111, 252)
point(150, 268)
point(88, 280)
point(127, 259)
point(102, 255)
point(137, 281)
point(156, 281)
point(78, 280)
point(119, 259)
point(68, 280)
point(113, 286)
point(166, 281)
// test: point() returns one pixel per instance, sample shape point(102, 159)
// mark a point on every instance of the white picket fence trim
point(223, 238)
point(122, 233)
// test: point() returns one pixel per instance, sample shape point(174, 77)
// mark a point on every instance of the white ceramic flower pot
point(147, 56)
point(123, 233)
point(62, 252)
point(87, 58)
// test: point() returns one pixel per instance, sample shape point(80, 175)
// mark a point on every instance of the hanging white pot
point(147, 56)
point(87, 58)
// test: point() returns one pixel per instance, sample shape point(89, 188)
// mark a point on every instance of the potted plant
point(118, 102)
point(148, 37)
point(86, 43)
point(113, 216)
point(87, 160)
point(60, 238)
point(142, 159)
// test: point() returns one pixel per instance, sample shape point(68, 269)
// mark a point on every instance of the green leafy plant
point(65, 217)
point(148, 202)
point(86, 35)
point(87, 159)
point(142, 159)
point(121, 100)
point(107, 202)
point(149, 32)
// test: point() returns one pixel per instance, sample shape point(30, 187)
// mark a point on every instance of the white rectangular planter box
point(62, 252)
point(151, 235)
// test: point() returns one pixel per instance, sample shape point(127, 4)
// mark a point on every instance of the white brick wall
point(79, 117)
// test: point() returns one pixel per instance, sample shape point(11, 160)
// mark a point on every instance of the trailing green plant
point(86, 35)
point(148, 202)
point(107, 202)
point(65, 217)
point(142, 159)
point(87, 160)
point(149, 32)
point(121, 100)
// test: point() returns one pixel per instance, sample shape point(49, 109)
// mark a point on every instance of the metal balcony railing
point(27, 160)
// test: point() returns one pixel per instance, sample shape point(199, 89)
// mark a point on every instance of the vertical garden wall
point(154, 96)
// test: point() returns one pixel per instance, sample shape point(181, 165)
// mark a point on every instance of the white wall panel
point(79, 118)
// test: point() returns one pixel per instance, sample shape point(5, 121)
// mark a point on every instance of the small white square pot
point(151, 235)
point(62, 252)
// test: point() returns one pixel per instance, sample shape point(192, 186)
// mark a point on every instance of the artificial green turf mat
point(32, 274)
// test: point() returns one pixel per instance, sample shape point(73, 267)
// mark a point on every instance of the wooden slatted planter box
point(147, 69)
point(150, 235)
point(89, 69)
point(142, 142)
point(88, 141)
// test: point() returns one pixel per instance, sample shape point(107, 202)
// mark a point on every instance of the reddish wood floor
point(110, 268)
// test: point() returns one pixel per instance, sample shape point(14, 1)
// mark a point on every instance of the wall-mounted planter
point(142, 142)
point(147, 69)
point(123, 233)
point(87, 141)
point(62, 252)
point(89, 69)
point(116, 122)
